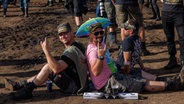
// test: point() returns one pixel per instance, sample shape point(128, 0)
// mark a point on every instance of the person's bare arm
point(56, 66)
point(127, 59)
point(97, 66)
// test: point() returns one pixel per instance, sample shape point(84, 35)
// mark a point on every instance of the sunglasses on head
point(100, 32)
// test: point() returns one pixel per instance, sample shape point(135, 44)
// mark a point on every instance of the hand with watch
point(101, 51)
point(100, 57)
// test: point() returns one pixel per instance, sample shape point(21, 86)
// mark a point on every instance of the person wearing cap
point(103, 79)
point(69, 73)
point(126, 9)
point(130, 52)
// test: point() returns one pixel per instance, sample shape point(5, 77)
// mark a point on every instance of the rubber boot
point(24, 93)
point(4, 12)
point(14, 86)
point(112, 40)
point(172, 63)
point(23, 11)
point(176, 83)
point(26, 12)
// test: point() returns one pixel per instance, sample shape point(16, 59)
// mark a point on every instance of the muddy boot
point(4, 12)
point(112, 40)
point(176, 83)
point(14, 86)
point(144, 50)
point(50, 3)
point(158, 19)
point(172, 63)
point(26, 12)
point(24, 93)
point(23, 12)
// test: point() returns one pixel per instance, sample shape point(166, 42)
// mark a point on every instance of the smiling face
point(67, 38)
point(97, 35)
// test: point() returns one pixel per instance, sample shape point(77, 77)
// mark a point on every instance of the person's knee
point(154, 86)
point(46, 67)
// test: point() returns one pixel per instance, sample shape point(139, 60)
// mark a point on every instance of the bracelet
point(100, 57)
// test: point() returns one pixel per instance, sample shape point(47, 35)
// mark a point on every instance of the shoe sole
point(8, 86)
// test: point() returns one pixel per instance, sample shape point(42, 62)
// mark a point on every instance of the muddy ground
point(21, 55)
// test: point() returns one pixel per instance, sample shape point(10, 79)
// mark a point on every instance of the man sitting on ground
point(69, 73)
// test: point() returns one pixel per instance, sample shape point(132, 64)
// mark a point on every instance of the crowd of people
point(24, 5)
point(78, 66)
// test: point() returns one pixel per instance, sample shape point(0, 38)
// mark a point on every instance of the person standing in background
point(126, 9)
point(24, 5)
point(155, 10)
point(111, 15)
point(173, 17)
point(5, 6)
point(77, 8)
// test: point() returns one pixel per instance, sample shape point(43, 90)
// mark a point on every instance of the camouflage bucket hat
point(130, 24)
point(64, 27)
point(92, 28)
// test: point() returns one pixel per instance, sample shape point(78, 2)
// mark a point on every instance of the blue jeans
point(5, 4)
point(24, 3)
point(170, 20)
point(98, 12)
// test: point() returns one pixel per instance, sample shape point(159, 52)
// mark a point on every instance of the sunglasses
point(100, 32)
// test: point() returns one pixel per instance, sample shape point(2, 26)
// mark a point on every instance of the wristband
point(100, 57)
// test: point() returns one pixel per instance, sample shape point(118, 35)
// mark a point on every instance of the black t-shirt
point(173, 6)
point(133, 44)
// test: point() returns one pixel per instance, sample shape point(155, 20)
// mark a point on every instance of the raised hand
point(45, 46)
point(101, 50)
